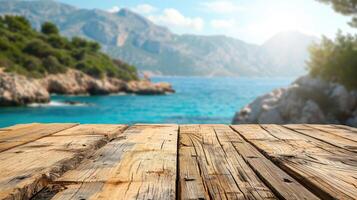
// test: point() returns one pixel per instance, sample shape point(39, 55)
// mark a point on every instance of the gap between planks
point(339, 138)
point(327, 170)
point(216, 163)
point(141, 164)
point(28, 168)
point(237, 148)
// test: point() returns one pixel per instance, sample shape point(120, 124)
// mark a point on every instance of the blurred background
point(216, 61)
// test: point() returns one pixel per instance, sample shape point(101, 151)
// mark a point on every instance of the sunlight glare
point(281, 17)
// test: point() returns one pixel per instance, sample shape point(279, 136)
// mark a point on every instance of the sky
point(253, 21)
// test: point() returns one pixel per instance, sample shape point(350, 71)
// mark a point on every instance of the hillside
point(138, 41)
point(32, 53)
point(34, 65)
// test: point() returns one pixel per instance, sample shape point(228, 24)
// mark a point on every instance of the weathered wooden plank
point(353, 129)
point(283, 185)
point(22, 134)
point(26, 169)
point(141, 164)
point(343, 131)
point(327, 135)
point(328, 171)
point(17, 126)
point(190, 181)
point(223, 172)
point(108, 130)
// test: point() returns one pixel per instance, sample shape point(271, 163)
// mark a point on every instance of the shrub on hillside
point(26, 51)
point(49, 28)
point(53, 66)
point(15, 23)
point(38, 48)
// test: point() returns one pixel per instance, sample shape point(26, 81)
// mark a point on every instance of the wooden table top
point(170, 161)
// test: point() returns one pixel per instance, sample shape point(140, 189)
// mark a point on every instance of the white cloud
point(114, 9)
point(144, 9)
point(221, 6)
point(222, 23)
point(172, 17)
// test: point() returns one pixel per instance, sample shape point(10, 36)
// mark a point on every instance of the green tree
point(57, 41)
point(38, 48)
point(49, 28)
point(16, 23)
point(336, 60)
point(94, 46)
point(4, 44)
point(26, 51)
point(345, 7)
point(53, 66)
point(78, 42)
point(32, 64)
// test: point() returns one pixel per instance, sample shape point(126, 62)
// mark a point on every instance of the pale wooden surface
point(283, 185)
point(338, 138)
point(26, 169)
point(71, 161)
point(329, 171)
point(141, 164)
point(223, 171)
point(343, 131)
point(22, 134)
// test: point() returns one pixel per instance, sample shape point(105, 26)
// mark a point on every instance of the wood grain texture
point(141, 164)
point(191, 183)
point(26, 169)
point(224, 173)
point(17, 126)
point(108, 130)
point(327, 134)
point(282, 184)
point(22, 134)
point(344, 131)
point(96, 161)
point(330, 172)
point(353, 129)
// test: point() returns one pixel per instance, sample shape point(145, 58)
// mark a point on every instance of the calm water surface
point(198, 100)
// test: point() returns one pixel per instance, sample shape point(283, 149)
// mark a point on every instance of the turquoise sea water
point(197, 100)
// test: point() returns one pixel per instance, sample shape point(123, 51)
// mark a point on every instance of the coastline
point(196, 101)
point(18, 90)
point(306, 100)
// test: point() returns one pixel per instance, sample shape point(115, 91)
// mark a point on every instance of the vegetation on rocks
point(26, 51)
point(336, 60)
point(327, 96)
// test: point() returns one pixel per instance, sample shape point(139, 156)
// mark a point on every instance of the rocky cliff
point(307, 100)
point(18, 90)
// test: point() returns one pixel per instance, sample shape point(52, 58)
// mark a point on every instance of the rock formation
point(75, 82)
point(18, 90)
point(147, 87)
point(307, 100)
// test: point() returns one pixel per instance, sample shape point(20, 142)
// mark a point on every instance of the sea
point(198, 100)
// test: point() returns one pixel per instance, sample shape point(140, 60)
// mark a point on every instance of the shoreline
point(306, 100)
point(18, 90)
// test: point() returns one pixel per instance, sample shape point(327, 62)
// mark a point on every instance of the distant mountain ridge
point(138, 41)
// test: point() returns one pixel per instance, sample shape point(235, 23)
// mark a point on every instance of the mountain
point(288, 49)
point(26, 51)
point(138, 41)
